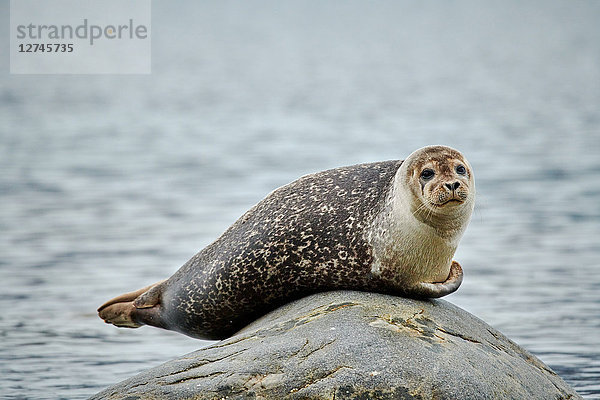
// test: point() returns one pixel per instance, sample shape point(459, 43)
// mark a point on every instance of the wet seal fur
point(389, 227)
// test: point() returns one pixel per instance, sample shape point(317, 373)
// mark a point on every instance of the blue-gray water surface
point(109, 183)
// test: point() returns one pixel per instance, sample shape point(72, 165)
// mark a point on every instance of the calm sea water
point(109, 183)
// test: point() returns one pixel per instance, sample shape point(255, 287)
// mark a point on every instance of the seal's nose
point(452, 186)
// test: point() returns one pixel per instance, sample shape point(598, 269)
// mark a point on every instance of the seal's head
point(440, 184)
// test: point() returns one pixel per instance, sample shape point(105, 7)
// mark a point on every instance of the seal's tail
point(124, 310)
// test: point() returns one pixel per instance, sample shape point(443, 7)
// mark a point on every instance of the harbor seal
point(388, 227)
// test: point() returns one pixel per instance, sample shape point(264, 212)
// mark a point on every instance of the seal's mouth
point(450, 202)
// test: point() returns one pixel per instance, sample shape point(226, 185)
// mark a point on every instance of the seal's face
point(440, 181)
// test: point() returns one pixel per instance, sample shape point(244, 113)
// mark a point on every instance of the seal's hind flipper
point(119, 314)
point(120, 311)
point(150, 297)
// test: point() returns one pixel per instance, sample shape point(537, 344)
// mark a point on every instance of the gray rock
point(353, 345)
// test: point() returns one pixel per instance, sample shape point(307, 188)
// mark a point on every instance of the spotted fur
point(304, 237)
point(347, 228)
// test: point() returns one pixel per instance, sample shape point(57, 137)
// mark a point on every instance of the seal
point(389, 227)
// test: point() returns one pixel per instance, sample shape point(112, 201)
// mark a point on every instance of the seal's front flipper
point(434, 290)
point(122, 311)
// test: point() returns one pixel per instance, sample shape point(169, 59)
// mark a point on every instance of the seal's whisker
point(423, 206)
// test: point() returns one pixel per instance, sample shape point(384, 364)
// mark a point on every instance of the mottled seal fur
point(389, 227)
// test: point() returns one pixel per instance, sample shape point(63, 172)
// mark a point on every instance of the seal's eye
point(461, 170)
point(427, 174)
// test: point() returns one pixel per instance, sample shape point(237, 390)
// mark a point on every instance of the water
point(110, 183)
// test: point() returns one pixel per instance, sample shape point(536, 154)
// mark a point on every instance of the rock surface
point(353, 345)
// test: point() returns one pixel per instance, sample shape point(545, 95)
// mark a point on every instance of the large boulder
point(354, 345)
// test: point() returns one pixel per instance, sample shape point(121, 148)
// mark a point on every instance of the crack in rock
point(190, 378)
point(326, 375)
point(314, 314)
point(313, 351)
point(459, 335)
